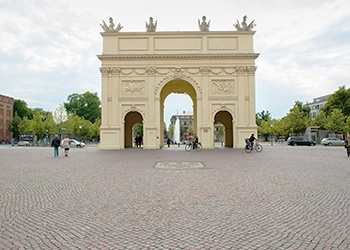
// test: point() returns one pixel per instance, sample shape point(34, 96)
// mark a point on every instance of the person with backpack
point(55, 144)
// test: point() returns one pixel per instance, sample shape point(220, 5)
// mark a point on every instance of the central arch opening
point(178, 86)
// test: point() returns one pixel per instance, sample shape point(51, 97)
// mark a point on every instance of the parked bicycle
point(193, 146)
point(249, 147)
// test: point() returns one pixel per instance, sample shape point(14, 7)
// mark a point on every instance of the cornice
point(178, 56)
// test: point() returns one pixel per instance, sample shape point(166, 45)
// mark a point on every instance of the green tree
point(50, 126)
point(25, 127)
point(298, 118)
point(340, 100)
point(44, 114)
point(336, 122)
point(166, 135)
point(37, 125)
point(138, 129)
point(263, 116)
point(86, 105)
point(320, 120)
point(171, 131)
point(95, 129)
point(14, 126)
point(21, 108)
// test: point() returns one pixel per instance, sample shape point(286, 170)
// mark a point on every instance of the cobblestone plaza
point(283, 198)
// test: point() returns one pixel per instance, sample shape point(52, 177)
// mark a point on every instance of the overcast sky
point(48, 48)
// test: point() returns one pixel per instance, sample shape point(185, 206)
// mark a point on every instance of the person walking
point(168, 141)
point(65, 144)
point(55, 144)
point(347, 145)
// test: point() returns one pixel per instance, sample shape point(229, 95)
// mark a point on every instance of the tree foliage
point(298, 118)
point(339, 100)
point(13, 126)
point(336, 122)
point(263, 116)
point(86, 105)
point(21, 108)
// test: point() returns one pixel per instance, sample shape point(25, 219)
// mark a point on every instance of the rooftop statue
point(244, 26)
point(151, 27)
point(204, 26)
point(110, 28)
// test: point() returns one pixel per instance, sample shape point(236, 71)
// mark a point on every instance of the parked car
point(75, 144)
point(24, 143)
point(300, 141)
point(186, 141)
point(332, 141)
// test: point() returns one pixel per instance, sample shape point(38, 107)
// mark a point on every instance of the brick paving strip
point(283, 198)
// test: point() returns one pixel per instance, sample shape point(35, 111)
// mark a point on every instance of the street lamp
point(80, 127)
point(271, 135)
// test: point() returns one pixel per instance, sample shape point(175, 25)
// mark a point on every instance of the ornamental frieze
point(179, 72)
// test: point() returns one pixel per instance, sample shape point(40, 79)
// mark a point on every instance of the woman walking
point(65, 144)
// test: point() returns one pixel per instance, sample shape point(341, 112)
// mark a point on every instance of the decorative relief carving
point(134, 108)
point(178, 73)
point(246, 69)
point(184, 77)
point(204, 70)
point(223, 87)
point(151, 71)
point(223, 107)
point(104, 71)
point(133, 87)
point(115, 71)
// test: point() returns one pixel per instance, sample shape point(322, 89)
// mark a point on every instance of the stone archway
point(178, 86)
point(139, 70)
point(130, 120)
point(226, 119)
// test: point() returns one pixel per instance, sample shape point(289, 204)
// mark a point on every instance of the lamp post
point(271, 139)
point(80, 127)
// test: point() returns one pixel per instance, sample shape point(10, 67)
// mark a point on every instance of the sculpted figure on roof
point(110, 27)
point(204, 25)
point(151, 27)
point(244, 26)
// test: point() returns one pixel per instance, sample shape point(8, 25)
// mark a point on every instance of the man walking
point(55, 144)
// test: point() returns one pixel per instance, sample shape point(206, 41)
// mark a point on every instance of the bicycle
point(191, 146)
point(249, 148)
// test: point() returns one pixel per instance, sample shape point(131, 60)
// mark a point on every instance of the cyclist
point(195, 141)
point(252, 139)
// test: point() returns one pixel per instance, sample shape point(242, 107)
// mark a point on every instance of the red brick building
point(6, 114)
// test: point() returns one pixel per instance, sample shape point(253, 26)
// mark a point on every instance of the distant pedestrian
point(168, 142)
point(65, 144)
point(347, 145)
point(55, 144)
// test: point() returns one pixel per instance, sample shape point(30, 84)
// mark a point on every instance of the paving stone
point(283, 198)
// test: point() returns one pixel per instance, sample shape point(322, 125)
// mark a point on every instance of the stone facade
point(140, 69)
point(6, 114)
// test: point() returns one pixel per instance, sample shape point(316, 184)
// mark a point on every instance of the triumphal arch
point(140, 69)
